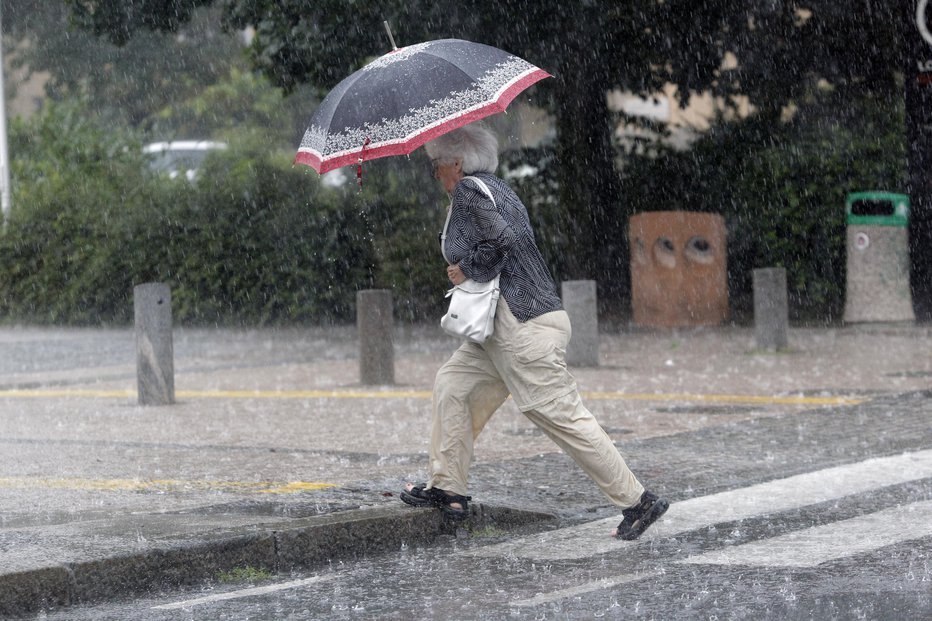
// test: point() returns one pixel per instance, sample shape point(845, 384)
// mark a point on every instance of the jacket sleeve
point(495, 237)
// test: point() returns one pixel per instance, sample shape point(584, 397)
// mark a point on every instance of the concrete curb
point(296, 544)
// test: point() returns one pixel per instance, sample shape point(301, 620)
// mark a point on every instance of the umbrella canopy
point(409, 96)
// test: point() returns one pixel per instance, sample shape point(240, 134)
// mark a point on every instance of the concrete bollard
point(581, 303)
point(155, 367)
point(374, 326)
point(771, 310)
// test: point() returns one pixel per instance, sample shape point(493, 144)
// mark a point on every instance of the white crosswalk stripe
point(588, 587)
point(250, 592)
point(820, 544)
point(805, 548)
point(786, 494)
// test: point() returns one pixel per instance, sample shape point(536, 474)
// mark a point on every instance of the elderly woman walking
point(525, 355)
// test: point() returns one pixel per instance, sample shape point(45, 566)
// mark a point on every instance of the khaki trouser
point(526, 360)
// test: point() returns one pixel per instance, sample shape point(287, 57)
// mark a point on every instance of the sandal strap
point(447, 499)
point(445, 502)
point(440, 497)
point(420, 491)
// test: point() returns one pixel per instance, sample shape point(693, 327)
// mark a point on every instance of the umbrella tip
point(391, 39)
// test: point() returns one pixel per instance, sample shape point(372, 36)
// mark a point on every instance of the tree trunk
point(589, 187)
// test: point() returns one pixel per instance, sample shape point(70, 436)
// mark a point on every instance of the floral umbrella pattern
point(401, 100)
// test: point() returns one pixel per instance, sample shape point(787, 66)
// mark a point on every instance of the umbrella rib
point(348, 83)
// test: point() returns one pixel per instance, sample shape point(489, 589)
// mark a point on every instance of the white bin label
point(862, 241)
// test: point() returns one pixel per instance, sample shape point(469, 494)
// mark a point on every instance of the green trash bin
point(878, 258)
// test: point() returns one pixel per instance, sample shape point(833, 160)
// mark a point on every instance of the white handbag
point(472, 310)
point(472, 304)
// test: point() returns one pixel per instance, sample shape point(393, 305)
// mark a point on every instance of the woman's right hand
point(455, 274)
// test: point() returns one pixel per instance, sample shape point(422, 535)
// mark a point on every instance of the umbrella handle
point(391, 39)
point(362, 156)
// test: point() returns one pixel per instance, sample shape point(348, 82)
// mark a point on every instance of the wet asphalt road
point(779, 512)
point(818, 515)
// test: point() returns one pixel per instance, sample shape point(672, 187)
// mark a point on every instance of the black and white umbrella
point(409, 96)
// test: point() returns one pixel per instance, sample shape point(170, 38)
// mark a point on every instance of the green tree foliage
point(127, 82)
point(119, 20)
point(238, 105)
point(321, 42)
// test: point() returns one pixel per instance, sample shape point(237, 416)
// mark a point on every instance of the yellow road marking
point(304, 394)
point(421, 394)
point(66, 393)
point(750, 399)
point(162, 485)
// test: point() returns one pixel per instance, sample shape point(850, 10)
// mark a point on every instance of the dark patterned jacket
point(486, 240)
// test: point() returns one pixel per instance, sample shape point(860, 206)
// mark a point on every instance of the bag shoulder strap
point(443, 237)
point(485, 190)
point(482, 188)
point(446, 225)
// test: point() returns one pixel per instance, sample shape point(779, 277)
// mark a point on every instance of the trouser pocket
point(539, 373)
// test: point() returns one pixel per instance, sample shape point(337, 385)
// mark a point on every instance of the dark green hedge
point(254, 240)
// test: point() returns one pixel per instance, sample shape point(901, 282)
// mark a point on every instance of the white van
point(181, 157)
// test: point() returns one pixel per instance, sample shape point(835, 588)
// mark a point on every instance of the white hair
point(476, 146)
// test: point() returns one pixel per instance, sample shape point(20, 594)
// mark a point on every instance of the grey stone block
point(374, 324)
point(581, 304)
point(771, 308)
point(155, 371)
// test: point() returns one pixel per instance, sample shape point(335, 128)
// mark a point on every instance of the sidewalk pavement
point(276, 458)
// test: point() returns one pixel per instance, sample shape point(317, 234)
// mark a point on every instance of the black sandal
point(443, 500)
point(637, 518)
point(420, 496)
